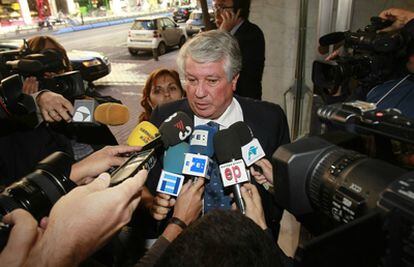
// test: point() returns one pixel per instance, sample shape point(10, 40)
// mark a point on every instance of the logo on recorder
point(170, 183)
point(196, 165)
point(233, 173)
point(252, 152)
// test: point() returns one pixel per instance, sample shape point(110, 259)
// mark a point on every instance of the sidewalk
point(88, 23)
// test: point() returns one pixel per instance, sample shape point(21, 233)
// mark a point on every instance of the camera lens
point(38, 191)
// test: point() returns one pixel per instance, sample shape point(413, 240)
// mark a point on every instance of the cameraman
point(398, 93)
point(21, 148)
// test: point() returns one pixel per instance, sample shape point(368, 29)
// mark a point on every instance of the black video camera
point(23, 62)
point(358, 209)
point(371, 57)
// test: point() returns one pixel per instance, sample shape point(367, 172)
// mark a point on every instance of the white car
point(154, 34)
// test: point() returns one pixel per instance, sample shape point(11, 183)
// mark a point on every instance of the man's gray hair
point(212, 46)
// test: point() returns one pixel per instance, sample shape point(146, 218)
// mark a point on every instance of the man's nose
point(200, 90)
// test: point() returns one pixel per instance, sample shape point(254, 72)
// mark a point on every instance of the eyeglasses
point(221, 8)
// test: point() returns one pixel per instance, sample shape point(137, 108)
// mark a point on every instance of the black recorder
point(138, 161)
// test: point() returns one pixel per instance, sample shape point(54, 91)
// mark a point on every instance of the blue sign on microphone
point(170, 183)
point(195, 164)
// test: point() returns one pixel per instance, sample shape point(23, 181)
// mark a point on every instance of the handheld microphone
point(331, 38)
point(251, 149)
point(197, 161)
point(88, 111)
point(176, 128)
point(171, 180)
point(232, 169)
point(144, 133)
point(26, 65)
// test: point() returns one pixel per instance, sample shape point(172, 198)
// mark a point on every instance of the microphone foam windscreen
point(243, 131)
point(227, 146)
point(174, 157)
point(176, 128)
point(30, 66)
point(201, 141)
point(142, 134)
point(331, 38)
point(111, 114)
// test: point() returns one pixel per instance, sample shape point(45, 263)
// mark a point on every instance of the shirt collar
point(231, 115)
point(236, 27)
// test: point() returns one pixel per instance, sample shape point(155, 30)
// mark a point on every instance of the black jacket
point(252, 45)
point(269, 125)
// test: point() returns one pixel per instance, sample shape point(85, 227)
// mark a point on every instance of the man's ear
point(234, 82)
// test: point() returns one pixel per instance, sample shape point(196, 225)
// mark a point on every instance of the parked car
point(154, 34)
point(182, 13)
point(195, 23)
point(92, 65)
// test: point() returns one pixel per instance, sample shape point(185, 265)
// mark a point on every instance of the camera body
point(69, 84)
point(371, 57)
point(345, 199)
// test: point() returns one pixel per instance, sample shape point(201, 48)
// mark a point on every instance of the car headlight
point(90, 63)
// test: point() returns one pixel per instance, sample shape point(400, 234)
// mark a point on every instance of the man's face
point(208, 91)
point(221, 6)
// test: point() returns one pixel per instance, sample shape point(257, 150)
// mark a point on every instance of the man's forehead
point(215, 68)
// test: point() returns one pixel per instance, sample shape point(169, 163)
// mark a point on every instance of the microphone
point(176, 128)
point(171, 180)
point(331, 38)
point(26, 65)
point(251, 149)
point(88, 111)
point(172, 131)
point(197, 162)
point(233, 172)
point(144, 133)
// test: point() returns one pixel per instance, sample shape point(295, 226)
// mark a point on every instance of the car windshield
point(196, 16)
point(143, 25)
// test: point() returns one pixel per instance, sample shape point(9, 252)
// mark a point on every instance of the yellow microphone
point(143, 133)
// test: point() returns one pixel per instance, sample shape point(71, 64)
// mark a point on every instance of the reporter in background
point(162, 86)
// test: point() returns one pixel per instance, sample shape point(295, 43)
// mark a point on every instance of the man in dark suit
point(211, 64)
point(232, 16)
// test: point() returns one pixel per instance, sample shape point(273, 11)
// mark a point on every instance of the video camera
point(371, 57)
point(23, 62)
point(358, 209)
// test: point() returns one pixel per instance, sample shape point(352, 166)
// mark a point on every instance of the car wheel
point(161, 49)
point(182, 41)
point(133, 52)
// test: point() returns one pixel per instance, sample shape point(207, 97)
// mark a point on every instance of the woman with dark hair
point(162, 86)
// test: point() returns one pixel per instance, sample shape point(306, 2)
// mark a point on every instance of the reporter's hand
point(398, 15)
point(267, 169)
point(189, 202)
point(84, 219)
point(161, 205)
point(254, 208)
point(100, 161)
point(30, 85)
point(22, 238)
point(229, 19)
point(54, 107)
